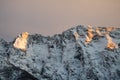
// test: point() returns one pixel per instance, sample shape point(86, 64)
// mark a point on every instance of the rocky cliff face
point(64, 56)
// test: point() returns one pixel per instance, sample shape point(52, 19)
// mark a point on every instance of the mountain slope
point(65, 56)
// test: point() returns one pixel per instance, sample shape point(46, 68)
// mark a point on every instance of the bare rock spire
point(21, 41)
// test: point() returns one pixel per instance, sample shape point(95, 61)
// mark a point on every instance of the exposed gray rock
point(7, 70)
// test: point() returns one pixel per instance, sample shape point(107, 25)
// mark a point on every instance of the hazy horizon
point(49, 17)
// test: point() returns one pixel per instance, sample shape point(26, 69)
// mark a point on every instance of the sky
point(49, 17)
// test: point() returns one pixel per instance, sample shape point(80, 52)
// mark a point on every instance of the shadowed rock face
point(13, 73)
point(7, 70)
point(62, 57)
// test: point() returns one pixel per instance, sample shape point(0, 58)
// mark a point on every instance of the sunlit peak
point(110, 43)
point(21, 41)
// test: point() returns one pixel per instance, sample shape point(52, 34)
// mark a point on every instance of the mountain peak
point(66, 56)
point(90, 33)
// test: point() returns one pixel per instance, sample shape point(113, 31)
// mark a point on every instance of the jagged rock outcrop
point(98, 32)
point(66, 56)
point(9, 71)
point(110, 43)
point(21, 41)
point(89, 35)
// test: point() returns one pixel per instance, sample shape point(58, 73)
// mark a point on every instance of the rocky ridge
point(64, 56)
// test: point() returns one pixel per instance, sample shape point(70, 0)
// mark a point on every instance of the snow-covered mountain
point(80, 53)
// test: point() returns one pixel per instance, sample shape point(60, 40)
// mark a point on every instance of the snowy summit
point(80, 53)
